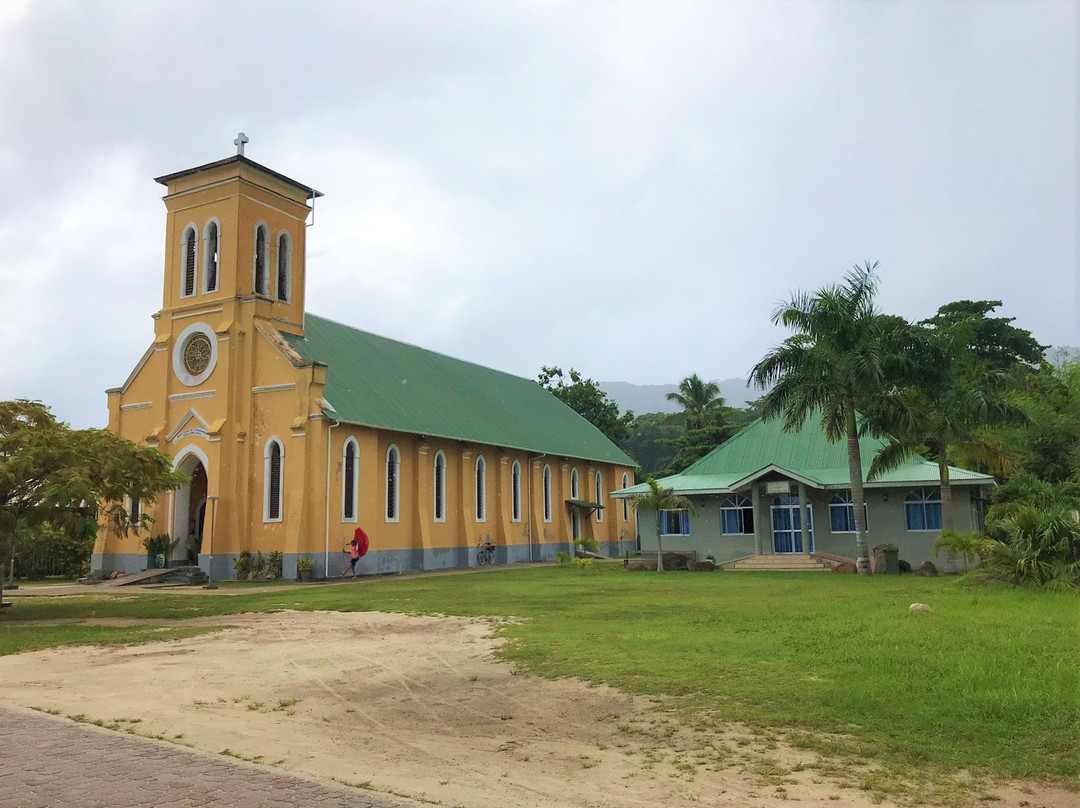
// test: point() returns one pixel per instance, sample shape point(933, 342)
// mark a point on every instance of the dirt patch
point(419, 706)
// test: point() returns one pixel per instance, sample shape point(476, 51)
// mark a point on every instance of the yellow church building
point(295, 429)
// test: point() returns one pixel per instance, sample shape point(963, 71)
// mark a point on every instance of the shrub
point(274, 564)
point(589, 545)
point(965, 545)
point(562, 557)
point(1041, 548)
point(242, 566)
point(258, 566)
point(586, 564)
point(305, 564)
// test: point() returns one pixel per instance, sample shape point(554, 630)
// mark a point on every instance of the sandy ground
point(420, 707)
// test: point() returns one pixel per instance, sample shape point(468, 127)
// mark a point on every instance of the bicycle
point(485, 552)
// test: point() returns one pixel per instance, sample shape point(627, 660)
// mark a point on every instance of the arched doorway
point(189, 513)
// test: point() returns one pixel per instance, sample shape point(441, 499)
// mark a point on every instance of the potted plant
point(304, 567)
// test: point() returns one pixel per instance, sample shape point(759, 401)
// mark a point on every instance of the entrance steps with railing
point(781, 563)
point(173, 576)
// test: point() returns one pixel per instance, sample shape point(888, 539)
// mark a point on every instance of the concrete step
point(177, 576)
point(780, 563)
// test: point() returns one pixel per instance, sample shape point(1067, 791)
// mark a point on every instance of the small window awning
point(584, 504)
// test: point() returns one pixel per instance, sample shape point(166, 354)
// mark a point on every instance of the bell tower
point(235, 236)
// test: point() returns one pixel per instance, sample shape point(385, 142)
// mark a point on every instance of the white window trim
point(255, 260)
point(515, 491)
point(392, 449)
point(194, 231)
point(546, 483)
point(480, 486)
point(266, 481)
point(288, 266)
point(924, 503)
point(749, 505)
point(625, 502)
point(672, 510)
point(128, 504)
point(206, 256)
point(573, 484)
point(181, 372)
point(599, 485)
point(866, 515)
point(435, 487)
point(355, 478)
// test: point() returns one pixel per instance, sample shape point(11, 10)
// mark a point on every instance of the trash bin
point(885, 560)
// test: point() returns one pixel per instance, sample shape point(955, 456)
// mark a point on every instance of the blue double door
point(787, 525)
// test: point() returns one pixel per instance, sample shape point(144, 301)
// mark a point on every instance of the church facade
point(295, 429)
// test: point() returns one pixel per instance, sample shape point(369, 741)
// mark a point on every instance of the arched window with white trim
point(515, 492)
point(284, 267)
point(481, 489)
point(211, 255)
point(190, 243)
point(393, 484)
point(573, 484)
point(440, 487)
point(350, 489)
point(625, 502)
point(599, 496)
point(737, 516)
point(262, 255)
point(273, 463)
point(547, 493)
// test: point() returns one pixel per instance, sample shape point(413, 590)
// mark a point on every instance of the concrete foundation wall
point(374, 563)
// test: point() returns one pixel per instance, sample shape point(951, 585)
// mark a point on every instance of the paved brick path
point(48, 762)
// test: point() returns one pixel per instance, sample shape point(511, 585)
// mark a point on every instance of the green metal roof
point(802, 453)
point(379, 382)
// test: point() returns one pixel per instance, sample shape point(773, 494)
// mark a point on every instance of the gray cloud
point(628, 188)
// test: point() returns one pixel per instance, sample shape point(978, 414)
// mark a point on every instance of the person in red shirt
point(357, 549)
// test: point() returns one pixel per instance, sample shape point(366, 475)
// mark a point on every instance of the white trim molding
point(187, 379)
point(270, 443)
point(273, 388)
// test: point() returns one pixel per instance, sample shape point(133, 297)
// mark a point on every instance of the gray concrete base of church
point(377, 562)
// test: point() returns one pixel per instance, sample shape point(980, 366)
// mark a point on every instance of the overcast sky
point(626, 188)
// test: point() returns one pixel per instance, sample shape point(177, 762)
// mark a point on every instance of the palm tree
point(659, 499)
point(943, 414)
point(843, 356)
point(700, 401)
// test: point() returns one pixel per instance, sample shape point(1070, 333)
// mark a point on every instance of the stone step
point(176, 576)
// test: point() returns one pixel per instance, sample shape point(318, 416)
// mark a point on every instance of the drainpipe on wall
point(531, 459)
point(326, 552)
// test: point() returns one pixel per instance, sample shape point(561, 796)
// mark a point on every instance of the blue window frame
point(737, 516)
point(674, 523)
point(922, 509)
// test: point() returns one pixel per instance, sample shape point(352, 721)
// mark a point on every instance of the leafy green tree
point(994, 340)
point(1047, 444)
point(701, 401)
point(694, 444)
point(658, 499)
point(844, 357)
point(651, 442)
point(586, 398)
point(48, 471)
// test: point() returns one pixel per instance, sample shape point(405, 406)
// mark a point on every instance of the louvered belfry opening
point(273, 506)
point(283, 259)
point(260, 261)
point(350, 482)
point(189, 263)
point(212, 257)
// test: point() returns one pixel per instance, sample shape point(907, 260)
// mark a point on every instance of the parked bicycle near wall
point(485, 552)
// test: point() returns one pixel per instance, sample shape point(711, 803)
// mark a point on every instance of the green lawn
point(989, 682)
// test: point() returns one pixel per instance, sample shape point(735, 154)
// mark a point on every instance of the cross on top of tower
point(241, 139)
